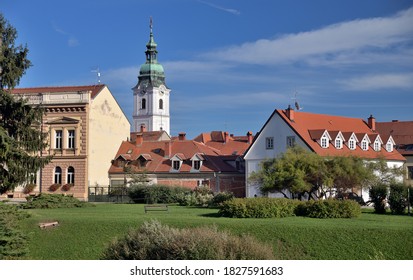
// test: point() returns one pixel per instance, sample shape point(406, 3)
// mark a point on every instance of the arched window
point(58, 175)
point(70, 175)
point(160, 104)
point(143, 103)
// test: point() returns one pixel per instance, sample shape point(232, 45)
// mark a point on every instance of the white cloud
point(380, 81)
point(228, 10)
point(333, 40)
point(72, 41)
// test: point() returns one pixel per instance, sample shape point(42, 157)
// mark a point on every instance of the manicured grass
point(83, 233)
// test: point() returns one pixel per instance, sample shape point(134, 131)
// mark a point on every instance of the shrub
point(156, 194)
point(220, 198)
point(13, 242)
point(260, 207)
point(154, 241)
point(329, 208)
point(398, 198)
point(54, 201)
point(378, 195)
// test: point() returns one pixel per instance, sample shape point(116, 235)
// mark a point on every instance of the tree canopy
point(21, 137)
point(298, 173)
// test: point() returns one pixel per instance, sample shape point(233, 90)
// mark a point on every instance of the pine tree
point(21, 138)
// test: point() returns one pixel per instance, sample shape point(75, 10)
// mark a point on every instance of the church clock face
point(162, 90)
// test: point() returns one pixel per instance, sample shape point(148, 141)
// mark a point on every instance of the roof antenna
point(97, 71)
point(297, 106)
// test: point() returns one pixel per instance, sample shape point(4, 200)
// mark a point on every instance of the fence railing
point(108, 194)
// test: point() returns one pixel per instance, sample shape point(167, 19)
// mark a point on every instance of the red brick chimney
point(226, 137)
point(139, 139)
point(249, 135)
point(290, 113)
point(168, 149)
point(372, 123)
point(182, 136)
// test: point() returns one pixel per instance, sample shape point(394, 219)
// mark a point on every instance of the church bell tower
point(151, 95)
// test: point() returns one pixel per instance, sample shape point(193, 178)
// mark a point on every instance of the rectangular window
point(269, 143)
point(324, 142)
point(377, 146)
point(364, 145)
point(176, 164)
point(338, 144)
point(71, 139)
point(351, 145)
point(58, 139)
point(290, 141)
point(197, 164)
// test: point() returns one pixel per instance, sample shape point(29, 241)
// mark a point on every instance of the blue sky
point(229, 63)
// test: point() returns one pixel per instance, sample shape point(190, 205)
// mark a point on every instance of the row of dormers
point(177, 160)
point(351, 139)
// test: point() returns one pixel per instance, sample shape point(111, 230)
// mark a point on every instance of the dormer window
point(352, 144)
point(324, 142)
point(197, 161)
point(176, 162)
point(339, 143)
point(389, 147)
point(364, 145)
point(377, 146)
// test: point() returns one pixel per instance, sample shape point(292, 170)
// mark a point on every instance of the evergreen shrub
point(259, 207)
point(398, 198)
point(13, 241)
point(156, 193)
point(329, 208)
point(378, 195)
point(44, 200)
point(154, 241)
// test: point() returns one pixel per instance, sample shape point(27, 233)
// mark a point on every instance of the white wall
point(108, 127)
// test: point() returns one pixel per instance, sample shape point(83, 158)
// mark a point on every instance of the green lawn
point(83, 233)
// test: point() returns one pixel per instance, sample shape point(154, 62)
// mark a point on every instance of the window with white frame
point(352, 144)
point(324, 142)
point(377, 146)
point(269, 143)
point(196, 164)
point(58, 139)
point(389, 147)
point(71, 139)
point(364, 145)
point(176, 164)
point(339, 143)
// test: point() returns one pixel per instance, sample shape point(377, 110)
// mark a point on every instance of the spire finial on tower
point(150, 23)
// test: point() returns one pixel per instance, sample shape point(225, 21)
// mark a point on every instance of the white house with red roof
point(325, 135)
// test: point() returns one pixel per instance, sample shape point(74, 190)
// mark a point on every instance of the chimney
point(290, 113)
point(182, 136)
point(168, 149)
point(139, 139)
point(226, 137)
point(143, 128)
point(372, 123)
point(249, 135)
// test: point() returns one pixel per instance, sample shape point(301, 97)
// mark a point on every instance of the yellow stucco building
point(85, 125)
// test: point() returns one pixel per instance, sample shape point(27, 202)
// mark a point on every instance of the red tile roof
point(94, 88)
point(402, 133)
point(310, 125)
point(226, 143)
point(160, 153)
